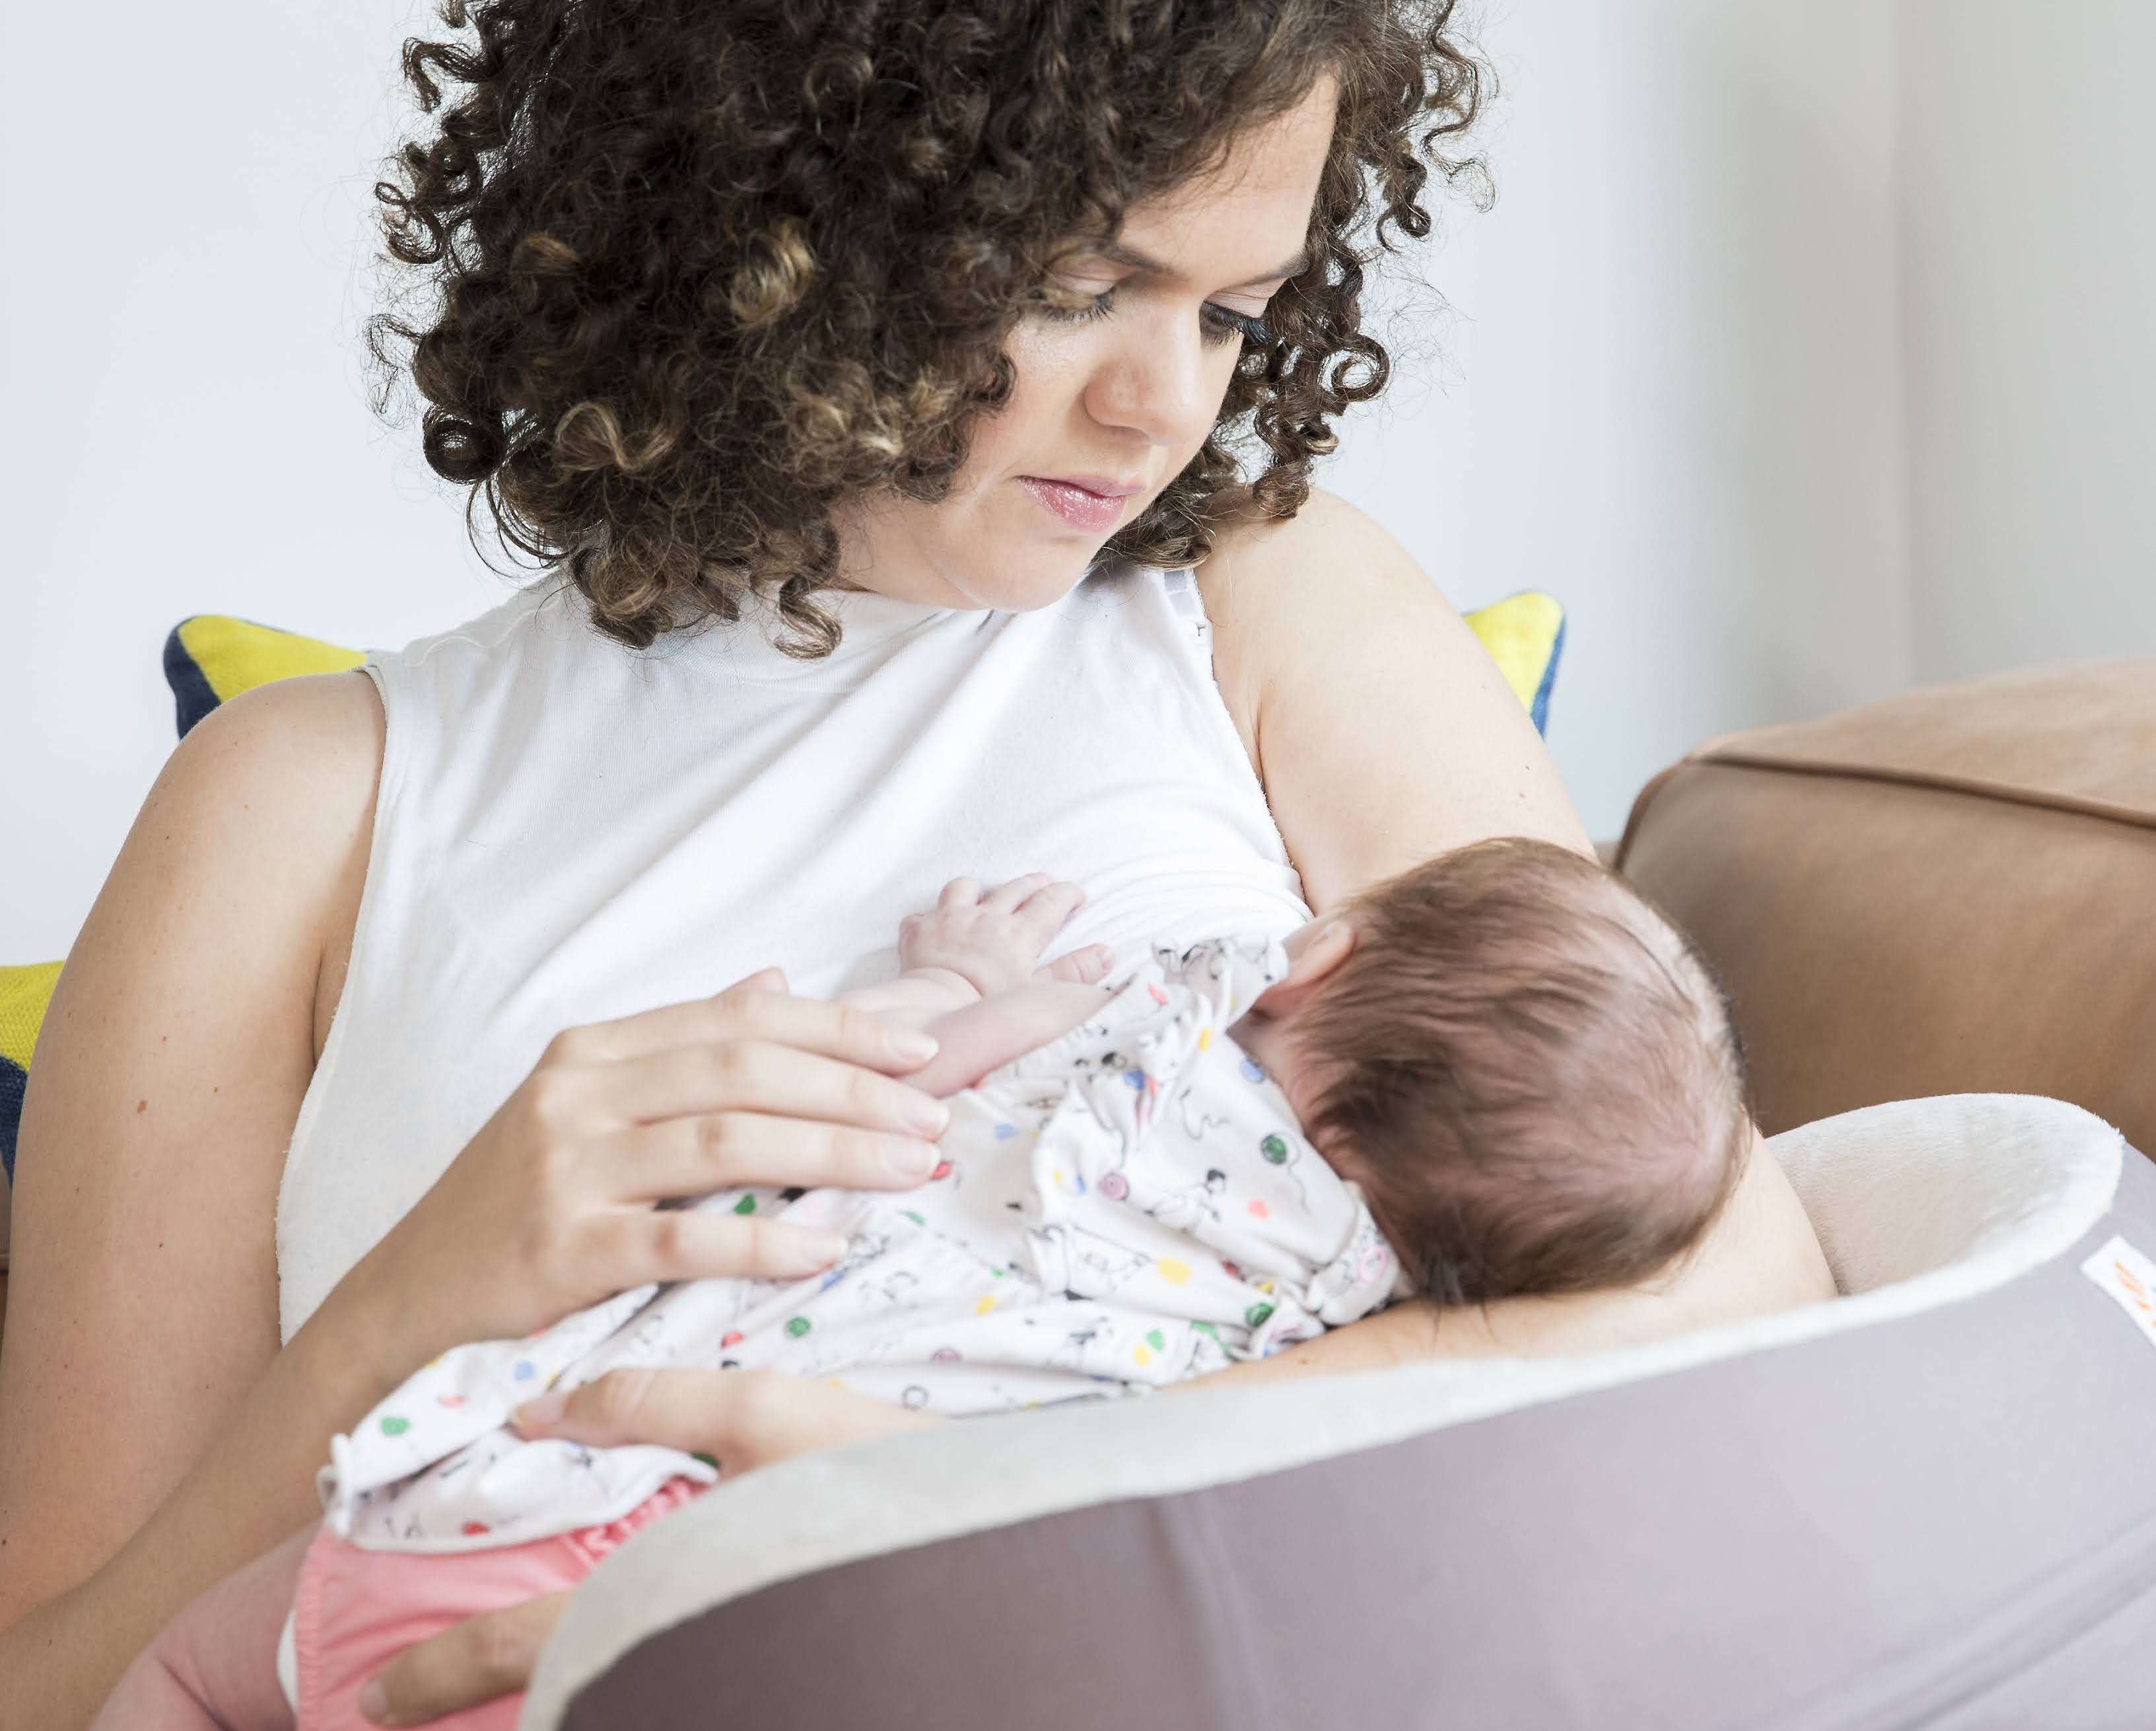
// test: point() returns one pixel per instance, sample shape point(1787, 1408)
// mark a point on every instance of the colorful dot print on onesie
point(1119, 1209)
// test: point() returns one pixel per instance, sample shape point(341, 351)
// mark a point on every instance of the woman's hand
point(549, 1207)
point(741, 1418)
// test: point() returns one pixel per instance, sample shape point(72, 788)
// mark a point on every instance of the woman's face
point(1117, 401)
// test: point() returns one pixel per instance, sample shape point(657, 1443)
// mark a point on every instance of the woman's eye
point(1223, 324)
point(1097, 308)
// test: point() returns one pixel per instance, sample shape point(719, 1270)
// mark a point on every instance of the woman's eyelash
point(1231, 320)
point(1222, 323)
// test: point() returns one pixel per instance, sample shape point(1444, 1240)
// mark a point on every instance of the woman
point(753, 316)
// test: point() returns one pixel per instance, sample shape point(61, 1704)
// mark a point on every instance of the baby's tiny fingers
point(1049, 907)
point(960, 892)
point(1086, 967)
point(1007, 897)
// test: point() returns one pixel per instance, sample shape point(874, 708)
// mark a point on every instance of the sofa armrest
point(1949, 891)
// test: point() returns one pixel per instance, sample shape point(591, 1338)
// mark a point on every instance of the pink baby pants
point(356, 1610)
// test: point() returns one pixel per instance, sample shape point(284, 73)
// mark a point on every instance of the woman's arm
point(1382, 731)
point(1384, 734)
point(141, 1371)
point(144, 1309)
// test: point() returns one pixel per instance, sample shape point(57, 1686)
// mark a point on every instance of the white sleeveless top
point(569, 830)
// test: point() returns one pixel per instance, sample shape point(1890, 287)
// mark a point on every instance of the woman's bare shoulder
point(311, 748)
point(1254, 587)
point(326, 727)
point(1301, 592)
point(1330, 640)
point(168, 1075)
point(1260, 552)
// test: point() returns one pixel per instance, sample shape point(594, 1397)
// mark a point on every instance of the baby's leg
point(214, 1668)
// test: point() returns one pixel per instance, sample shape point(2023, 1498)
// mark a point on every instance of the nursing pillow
point(212, 657)
point(1926, 1502)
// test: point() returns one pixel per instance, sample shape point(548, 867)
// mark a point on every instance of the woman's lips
point(1091, 512)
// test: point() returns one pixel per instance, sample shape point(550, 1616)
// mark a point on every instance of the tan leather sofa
point(1952, 891)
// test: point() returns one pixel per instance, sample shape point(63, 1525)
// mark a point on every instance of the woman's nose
point(1154, 381)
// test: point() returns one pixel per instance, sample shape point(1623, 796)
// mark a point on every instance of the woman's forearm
point(253, 1487)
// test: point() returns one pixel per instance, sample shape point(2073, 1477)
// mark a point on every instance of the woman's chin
point(1051, 574)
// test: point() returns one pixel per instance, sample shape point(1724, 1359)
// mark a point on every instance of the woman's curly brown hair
point(704, 267)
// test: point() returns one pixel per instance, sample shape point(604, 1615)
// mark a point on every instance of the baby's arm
point(978, 1037)
point(214, 1668)
point(971, 981)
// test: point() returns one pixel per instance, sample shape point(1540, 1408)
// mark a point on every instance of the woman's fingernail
point(911, 1160)
point(817, 1249)
point(911, 1043)
point(541, 1409)
point(927, 1114)
point(373, 1703)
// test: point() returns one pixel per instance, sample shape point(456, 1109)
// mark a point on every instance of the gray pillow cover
point(1934, 1508)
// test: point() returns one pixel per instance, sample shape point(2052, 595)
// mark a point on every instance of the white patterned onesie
point(1129, 1205)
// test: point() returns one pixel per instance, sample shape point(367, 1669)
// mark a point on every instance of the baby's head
point(1530, 1072)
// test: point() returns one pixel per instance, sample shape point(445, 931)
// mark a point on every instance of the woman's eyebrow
point(1116, 254)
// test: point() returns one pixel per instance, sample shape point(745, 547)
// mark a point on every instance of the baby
point(1499, 1073)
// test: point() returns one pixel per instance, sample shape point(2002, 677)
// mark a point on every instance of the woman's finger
point(681, 1409)
point(746, 1012)
point(474, 1661)
point(722, 1151)
point(741, 1418)
point(627, 1246)
point(765, 1076)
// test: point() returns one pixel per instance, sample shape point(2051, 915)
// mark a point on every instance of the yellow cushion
point(212, 657)
point(24, 992)
point(1525, 636)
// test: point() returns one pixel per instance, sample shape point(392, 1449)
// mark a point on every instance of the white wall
point(1678, 404)
point(1674, 394)
point(187, 428)
point(2029, 221)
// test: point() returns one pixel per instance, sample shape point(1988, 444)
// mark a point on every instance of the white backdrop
point(2029, 177)
point(1793, 364)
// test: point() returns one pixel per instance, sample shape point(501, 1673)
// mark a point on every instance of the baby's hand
point(992, 939)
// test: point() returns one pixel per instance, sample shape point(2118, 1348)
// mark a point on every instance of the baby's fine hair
point(1533, 1074)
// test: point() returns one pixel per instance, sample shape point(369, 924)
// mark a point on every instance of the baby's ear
point(1315, 950)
